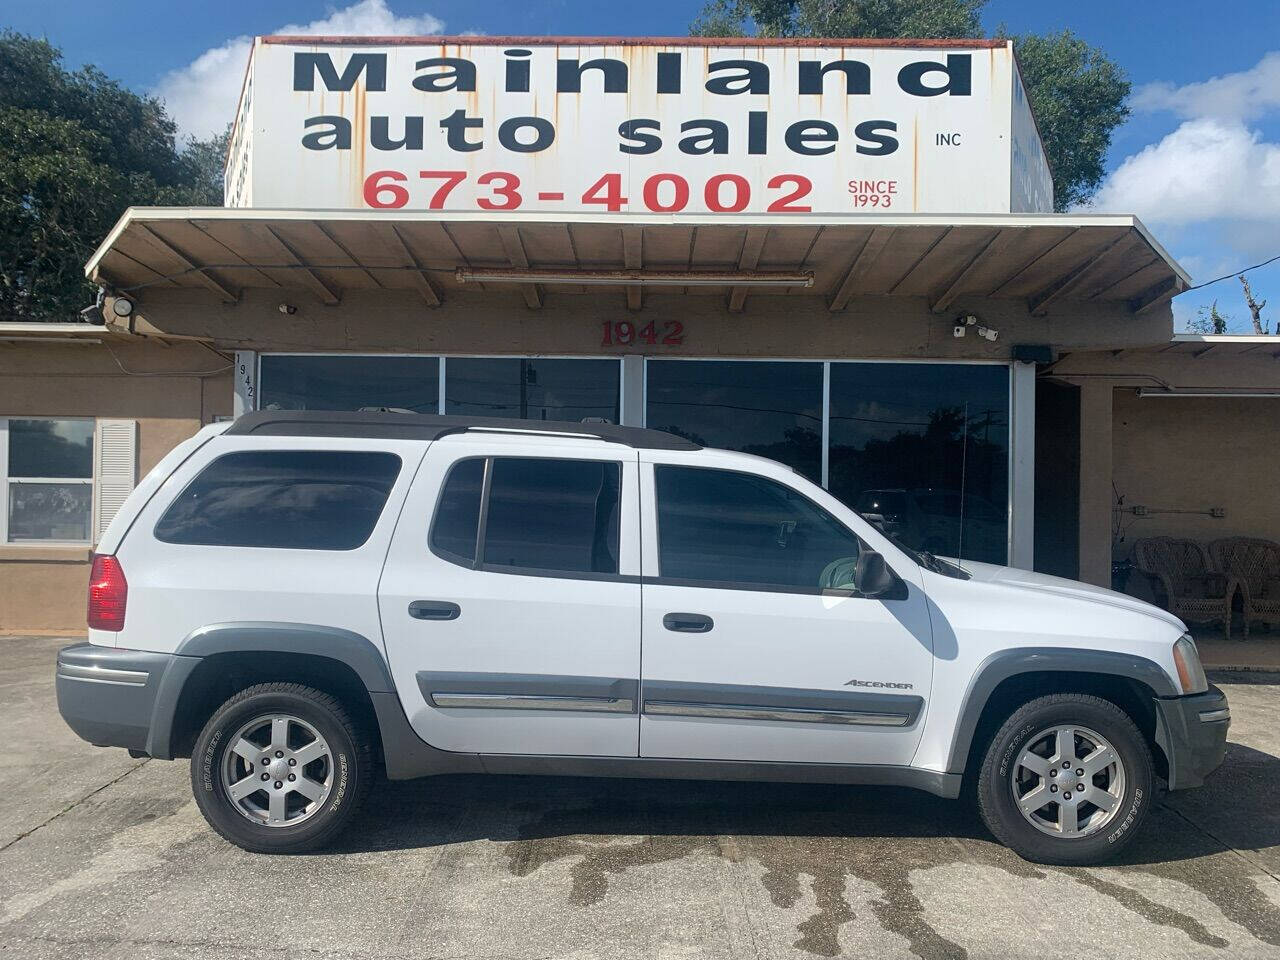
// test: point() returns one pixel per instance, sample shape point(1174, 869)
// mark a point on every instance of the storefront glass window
point(769, 408)
point(350, 383)
point(532, 389)
point(926, 447)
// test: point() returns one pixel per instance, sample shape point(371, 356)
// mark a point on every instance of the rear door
point(510, 600)
point(756, 647)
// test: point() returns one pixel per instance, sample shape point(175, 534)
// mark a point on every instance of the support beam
point(1095, 481)
point(633, 259)
point(352, 260)
point(309, 277)
point(1022, 462)
point(1117, 284)
point(153, 239)
point(1038, 303)
point(1030, 264)
point(921, 260)
point(1166, 289)
point(749, 259)
point(429, 292)
point(513, 246)
point(870, 252)
point(995, 247)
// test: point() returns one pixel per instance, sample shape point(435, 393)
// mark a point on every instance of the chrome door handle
point(688, 622)
point(434, 610)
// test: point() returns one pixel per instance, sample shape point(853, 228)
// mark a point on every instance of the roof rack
point(427, 426)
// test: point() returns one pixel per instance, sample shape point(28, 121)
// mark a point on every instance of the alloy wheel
point(1068, 781)
point(278, 770)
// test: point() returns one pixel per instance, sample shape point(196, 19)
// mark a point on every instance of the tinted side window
point(718, 526)
point(457, 520)
point(557, 515)
point(297, 499)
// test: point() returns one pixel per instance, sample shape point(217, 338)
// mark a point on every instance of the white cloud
point(1246, 95)
point(1210, 169)
point(201, 97)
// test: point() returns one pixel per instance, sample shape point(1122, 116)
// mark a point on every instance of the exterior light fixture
point(641, 278)
point(122, 306)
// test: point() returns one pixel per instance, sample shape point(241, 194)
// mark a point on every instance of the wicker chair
point(1256, 565)
point(1191, 588)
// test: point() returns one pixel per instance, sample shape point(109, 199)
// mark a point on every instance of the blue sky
point(1199, 160)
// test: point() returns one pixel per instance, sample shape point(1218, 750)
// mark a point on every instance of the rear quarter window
point(289, 499)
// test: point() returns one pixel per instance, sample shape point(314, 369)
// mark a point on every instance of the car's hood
point(1027, 580)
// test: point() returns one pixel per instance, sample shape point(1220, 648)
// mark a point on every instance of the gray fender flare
point(350, 648)
point(1003, 664)
point(405, 754)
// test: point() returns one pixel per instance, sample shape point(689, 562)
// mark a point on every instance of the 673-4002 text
point(659, 193)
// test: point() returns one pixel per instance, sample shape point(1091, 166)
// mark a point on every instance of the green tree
point(1077, 92)
point(1208, 320)
point(76, 149)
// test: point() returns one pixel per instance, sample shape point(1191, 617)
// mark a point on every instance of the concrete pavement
point(106, 857)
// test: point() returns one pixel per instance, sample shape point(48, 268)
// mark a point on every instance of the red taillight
point(108, 592)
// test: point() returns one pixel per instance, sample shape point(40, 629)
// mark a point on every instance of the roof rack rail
point(429, 426)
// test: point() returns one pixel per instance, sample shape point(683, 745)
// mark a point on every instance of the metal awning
point(1045, 260)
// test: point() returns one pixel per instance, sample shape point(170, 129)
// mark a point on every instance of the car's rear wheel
point(1067, 779)
point(280, 768)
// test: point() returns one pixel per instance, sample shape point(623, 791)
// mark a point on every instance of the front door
point(510, 601)
point(755, 645)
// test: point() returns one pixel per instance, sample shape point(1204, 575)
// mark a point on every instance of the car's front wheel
point(280, 768)
point(1067, 779)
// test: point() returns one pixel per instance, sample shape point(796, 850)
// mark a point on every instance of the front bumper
point(108, 695)
point(1192, 731)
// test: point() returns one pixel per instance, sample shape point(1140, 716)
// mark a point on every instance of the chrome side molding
point(674, 708)
point(514, 701)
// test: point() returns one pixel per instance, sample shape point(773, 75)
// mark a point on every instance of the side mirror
point(872, 576)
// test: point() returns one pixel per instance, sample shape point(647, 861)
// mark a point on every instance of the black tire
point(996, 798)
point(351, 758)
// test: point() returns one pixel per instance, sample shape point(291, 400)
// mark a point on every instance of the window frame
point(899, 591)
point(200, 470)
point(482, 520)
point(6, 482)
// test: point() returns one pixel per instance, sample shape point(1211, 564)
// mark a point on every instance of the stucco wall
point(498, 322)
point(170, 391)
point(1192, 453)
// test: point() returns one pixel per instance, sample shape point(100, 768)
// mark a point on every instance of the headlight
point(1187, 659)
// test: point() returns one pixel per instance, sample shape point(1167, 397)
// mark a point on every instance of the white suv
point(296, 599)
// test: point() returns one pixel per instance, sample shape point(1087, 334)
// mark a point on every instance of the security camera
point(288, 309)
point(958, 330)
point(93, 314)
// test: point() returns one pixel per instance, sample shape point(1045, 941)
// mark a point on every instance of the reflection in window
point(769, 408)
point(50, 479)
point(296, 499)
point(532, 389)
point(925, 447)
point(555, 515)
point(719, 526)
point(457, 520)
point(350, 383)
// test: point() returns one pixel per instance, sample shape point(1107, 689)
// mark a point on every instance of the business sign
point(665, 126)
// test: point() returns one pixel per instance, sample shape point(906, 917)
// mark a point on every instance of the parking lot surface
point(105, 856)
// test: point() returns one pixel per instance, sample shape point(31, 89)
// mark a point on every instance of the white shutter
point(116, 451)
